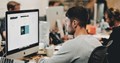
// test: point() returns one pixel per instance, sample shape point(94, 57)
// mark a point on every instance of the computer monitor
point(55, 16)
point(22, 32)
point(98, 12)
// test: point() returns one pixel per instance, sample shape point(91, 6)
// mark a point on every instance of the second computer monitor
point(55, 16)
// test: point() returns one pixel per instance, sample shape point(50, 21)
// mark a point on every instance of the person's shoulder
point(88, 39)
point(116, 28)
point(75, 40)
point(68, 42)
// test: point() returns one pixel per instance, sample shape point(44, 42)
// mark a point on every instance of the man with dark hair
point(11, 6)
point(76, 50)
point(109, 19)
point(114, 48)
point(55, 3)
point(51, 3)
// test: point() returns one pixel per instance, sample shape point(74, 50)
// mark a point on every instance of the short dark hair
point(110, 14)
point(117, 15)
point(80, 13)
point(12, 4)
point(100, 1)
point(51, 3)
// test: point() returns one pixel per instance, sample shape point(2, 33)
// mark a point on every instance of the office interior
point(52, 19)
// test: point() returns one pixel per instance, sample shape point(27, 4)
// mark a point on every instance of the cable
point(4, 54)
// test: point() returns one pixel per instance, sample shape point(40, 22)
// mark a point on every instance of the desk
point(98, 36)
point(101, 35)
point(37, 56)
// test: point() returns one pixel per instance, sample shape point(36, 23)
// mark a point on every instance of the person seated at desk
point(11, 6)
point(76, 50)
point(55, 3)
point(109, 18)
point(114, 49)
point(55, 37)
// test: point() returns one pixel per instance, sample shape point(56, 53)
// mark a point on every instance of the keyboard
point(6, 60)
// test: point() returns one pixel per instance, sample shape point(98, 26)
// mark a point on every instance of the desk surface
point(36, 56)
point(101, 36)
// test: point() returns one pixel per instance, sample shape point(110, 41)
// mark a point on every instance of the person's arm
point(3, 29)
point(105, 41)
point(4, 34)
point(64, 55)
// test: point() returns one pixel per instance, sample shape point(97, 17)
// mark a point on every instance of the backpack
point(99, 54)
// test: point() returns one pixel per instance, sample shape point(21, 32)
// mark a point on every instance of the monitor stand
point(24, 53)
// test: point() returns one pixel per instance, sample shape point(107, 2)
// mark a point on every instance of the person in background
point(11, 6)
point(55, 37)
point(114, 49)
point(78, 49)
point(55, 3)
point(109, 18)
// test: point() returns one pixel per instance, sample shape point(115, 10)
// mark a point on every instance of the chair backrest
point(99, 54)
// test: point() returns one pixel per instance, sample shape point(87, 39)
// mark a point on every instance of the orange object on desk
point(91, 29)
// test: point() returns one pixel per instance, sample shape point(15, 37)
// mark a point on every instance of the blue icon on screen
point(24, 29)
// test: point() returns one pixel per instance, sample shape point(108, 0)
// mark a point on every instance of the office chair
point(99, 54)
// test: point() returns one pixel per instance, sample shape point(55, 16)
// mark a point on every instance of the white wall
point(43, 6)
point(3, 7)
point(26, 4)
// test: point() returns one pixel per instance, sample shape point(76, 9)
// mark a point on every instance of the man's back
point(77, 50)
point(84, 46)
point(113, 50)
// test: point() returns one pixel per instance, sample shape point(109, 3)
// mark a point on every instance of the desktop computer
point(98, 13)
point(22, 33)
point(55, 16)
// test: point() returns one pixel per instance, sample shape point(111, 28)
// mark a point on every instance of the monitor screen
point(22, 32)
